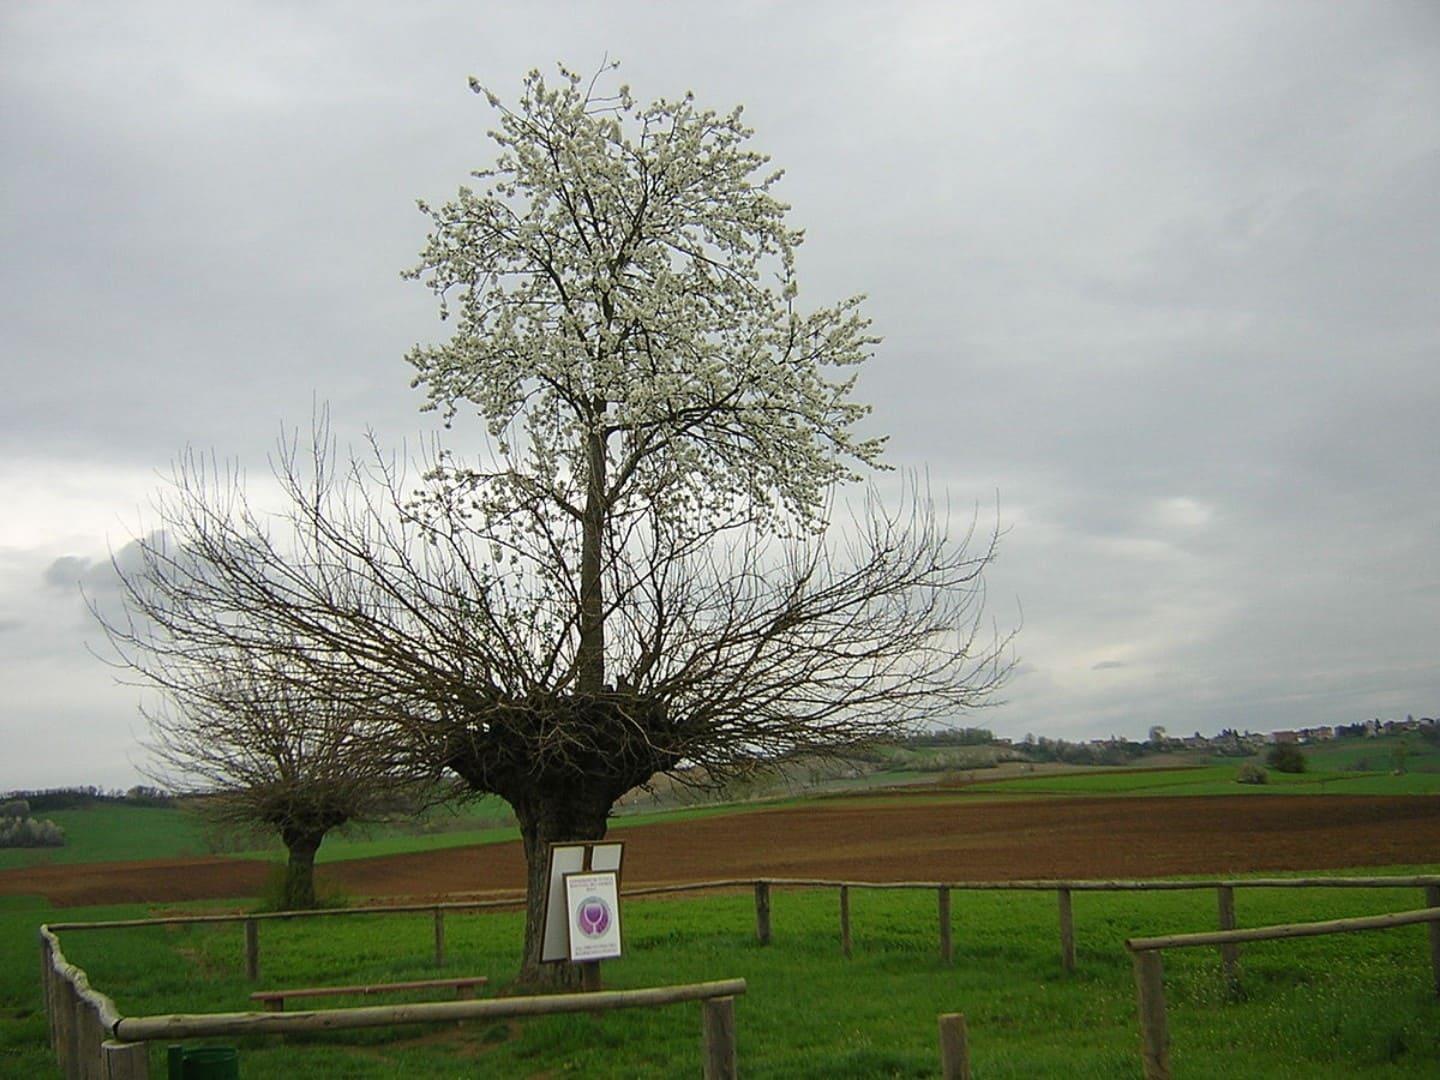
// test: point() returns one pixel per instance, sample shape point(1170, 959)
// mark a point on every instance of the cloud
point(1170, 293)
point(101, 576)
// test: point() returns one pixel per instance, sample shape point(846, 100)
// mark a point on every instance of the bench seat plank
point(275, 999)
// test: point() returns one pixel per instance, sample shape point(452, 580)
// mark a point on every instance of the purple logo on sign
point(593, 916)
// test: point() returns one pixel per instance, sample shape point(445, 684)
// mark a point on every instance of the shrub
point(15, 808)
point(1250, 773)
point(27, 832)
point(1286, 757)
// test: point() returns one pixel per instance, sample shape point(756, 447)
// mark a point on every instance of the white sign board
point(570, 859)
point(593, 904)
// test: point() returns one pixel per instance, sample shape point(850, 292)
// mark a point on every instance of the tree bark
point(299, 890)
point(590, 653)
point(546, 818)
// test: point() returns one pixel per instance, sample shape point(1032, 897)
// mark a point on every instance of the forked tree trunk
point(298, 893)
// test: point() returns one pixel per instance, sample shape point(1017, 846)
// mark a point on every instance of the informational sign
point(593, 903)
point(571, 859)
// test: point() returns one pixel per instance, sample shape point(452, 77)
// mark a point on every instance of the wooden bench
point(275, 999)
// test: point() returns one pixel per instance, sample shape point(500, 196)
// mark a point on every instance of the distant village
point(1116, 750)
point(1232, 743)
point(1252, 741)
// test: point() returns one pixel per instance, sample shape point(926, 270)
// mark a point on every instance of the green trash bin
point(204, 1063)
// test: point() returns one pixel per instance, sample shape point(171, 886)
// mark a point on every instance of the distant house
point(1284, 737)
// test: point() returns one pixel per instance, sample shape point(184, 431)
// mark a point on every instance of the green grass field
point(1354, 1005)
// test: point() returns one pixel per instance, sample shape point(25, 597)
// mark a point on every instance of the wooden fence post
point(1432, 899)
point(1229, 953)
point(1154, 1035)
point(439, 937)
point(762, 912)
point(947, 949)
point(1067, 931)
point(47, 987)
point(717, 1022)
point(954, 1047)
point(66, 1028)
point(845, 920)
point(252, 950)
point(92, 1038)
point(125, 1061)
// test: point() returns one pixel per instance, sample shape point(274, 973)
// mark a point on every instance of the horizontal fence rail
point(1289, 930)
point(1039, 885)
point(207, 1025)
point(1146, 953)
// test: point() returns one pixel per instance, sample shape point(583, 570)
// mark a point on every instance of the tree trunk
point(553, 817)
point(590, 653)
point(299, 890)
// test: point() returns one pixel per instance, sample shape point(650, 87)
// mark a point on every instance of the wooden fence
point(1150, 976)
point(92, 1041)
point(1224, 889)
point(87, 1011)
point(1064, 891)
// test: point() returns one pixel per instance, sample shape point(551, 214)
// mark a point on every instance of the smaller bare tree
point(265, 750)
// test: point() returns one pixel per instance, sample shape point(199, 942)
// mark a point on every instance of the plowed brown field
point(862, 839)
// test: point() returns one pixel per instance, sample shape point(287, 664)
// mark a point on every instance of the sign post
point(562, 931)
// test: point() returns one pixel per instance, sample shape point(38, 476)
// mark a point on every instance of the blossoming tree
point(668, 425)
point(642, 575)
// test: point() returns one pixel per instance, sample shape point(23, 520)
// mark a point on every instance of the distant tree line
point(965, 736)
point(1112, 752)
point(45, 800)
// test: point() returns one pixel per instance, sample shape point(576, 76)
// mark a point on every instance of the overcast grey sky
point(1162, 275)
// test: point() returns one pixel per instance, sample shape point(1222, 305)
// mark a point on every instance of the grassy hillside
point(114, 832)
point(108, 832)
point(1342, 767)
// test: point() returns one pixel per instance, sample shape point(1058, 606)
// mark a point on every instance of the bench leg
point(464, 993)
point(275, 1005)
